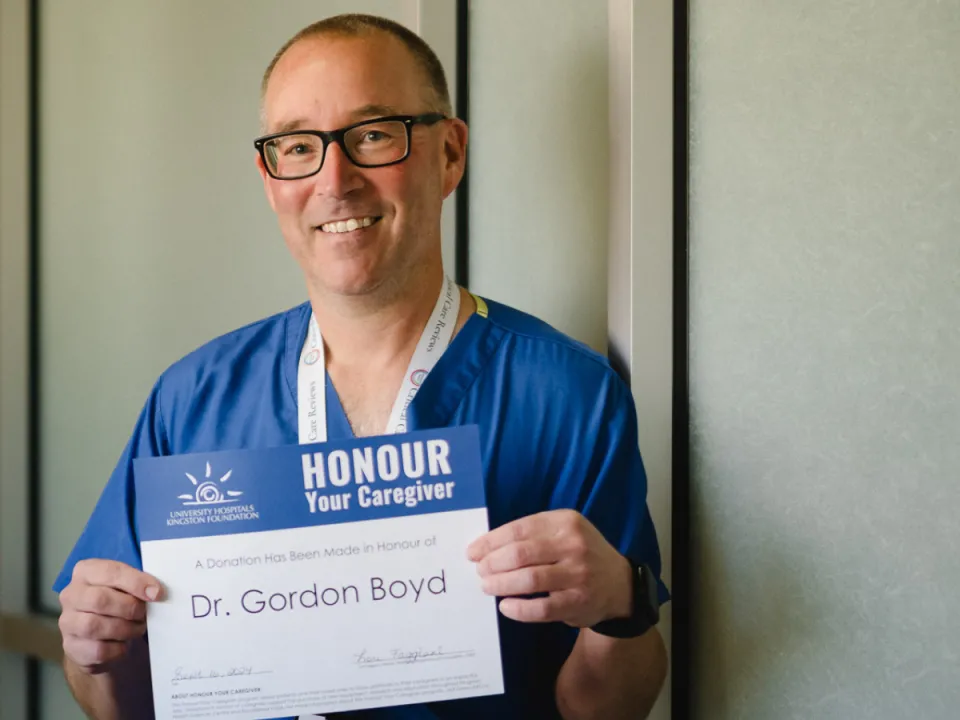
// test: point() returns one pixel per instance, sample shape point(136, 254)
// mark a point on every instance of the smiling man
point(359, 150)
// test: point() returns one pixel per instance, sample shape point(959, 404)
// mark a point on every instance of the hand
point(104, 606)
point(558, 552)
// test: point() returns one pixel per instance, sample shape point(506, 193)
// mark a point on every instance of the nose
point(338, 177)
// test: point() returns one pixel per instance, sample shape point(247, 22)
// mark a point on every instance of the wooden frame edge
point(35, 636)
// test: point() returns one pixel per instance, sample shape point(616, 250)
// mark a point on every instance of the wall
point(13, 336)
point(539, 160)
point(825, 394)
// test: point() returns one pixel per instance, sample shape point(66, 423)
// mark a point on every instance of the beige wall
point(13, 343)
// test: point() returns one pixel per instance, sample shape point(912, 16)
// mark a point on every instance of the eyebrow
point(361, 113)
point(371, 111)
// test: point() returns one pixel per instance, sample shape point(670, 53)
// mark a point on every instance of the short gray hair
point(358, 25)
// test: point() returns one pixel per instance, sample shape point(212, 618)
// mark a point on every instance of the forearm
point(120, 693)
point(611, 679)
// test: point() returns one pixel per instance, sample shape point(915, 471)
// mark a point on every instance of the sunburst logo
point(208, 492)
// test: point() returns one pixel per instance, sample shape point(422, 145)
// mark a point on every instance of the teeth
point(342, 226)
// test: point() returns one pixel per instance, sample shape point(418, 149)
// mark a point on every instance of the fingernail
point(152, 592)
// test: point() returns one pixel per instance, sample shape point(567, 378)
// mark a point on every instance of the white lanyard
point(312, 378)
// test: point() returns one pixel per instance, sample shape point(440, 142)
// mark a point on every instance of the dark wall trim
point(34, 602)
point(33, 311)
point(682, 685)
point(462, 270)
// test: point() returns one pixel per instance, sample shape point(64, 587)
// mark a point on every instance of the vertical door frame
point(647, 290)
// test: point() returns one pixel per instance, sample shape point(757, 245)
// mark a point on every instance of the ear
point(267, 185)
point(454, 154)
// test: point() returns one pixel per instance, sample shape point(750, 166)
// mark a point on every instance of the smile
point(342, 226)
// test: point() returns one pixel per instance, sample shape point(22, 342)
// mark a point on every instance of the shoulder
point(231, 370)
point(532, 346)
point(238, 349)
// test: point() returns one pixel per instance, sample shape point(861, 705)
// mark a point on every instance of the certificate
point(317, 578)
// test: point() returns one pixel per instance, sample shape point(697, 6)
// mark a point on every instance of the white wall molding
point(641, 246)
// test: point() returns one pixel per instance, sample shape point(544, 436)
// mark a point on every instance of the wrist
point(622, 600)
point(633, 611)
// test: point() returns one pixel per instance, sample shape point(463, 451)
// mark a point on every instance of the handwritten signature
point(399, 656)
point(181, 674)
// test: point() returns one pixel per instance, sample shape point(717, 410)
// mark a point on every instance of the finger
point(101, 600)
point(525, 553)
point(556, 607)
point(515, 531)
point(527, 581)
point(110, 573)
point(92, 655)
point(88, 626)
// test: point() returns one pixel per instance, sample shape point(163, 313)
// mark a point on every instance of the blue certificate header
point(221, 493)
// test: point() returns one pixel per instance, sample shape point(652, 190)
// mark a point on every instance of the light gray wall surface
point(825, 358)
point(539, 160)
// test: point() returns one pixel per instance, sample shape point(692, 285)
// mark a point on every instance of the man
point(360, 150)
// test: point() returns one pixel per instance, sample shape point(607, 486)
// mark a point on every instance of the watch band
point(646, 607)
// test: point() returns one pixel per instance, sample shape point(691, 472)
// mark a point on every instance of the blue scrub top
point(558, 429)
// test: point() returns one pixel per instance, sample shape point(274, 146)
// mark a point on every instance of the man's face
point(327, 83)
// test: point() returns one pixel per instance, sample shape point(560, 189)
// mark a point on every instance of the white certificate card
point(317, 578)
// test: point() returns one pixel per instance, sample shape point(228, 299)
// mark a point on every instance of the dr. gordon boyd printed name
point(222, 513)
point(365, 467)
point(256, 600)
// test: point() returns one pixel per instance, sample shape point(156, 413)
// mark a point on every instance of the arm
point(121, 692)
point(583, 580)
point(611, 679)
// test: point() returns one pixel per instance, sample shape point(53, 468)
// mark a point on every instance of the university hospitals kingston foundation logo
point(211, 503)
point(209, 491)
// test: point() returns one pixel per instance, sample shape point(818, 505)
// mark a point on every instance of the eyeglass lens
point(368, 145)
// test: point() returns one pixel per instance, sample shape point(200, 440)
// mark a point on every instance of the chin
point(351, 283)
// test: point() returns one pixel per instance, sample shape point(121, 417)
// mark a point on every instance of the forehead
point(331, 81)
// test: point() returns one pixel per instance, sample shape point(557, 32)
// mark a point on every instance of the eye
point(372, 136)
point(297, 146)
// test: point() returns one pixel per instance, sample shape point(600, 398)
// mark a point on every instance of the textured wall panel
point(825, 357)
point(539, 160)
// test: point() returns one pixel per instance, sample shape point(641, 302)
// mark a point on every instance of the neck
point(379, 329)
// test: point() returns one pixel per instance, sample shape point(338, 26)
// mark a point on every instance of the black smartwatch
point(646, 607)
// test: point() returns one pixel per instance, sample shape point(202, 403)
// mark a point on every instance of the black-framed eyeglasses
point(372, 143)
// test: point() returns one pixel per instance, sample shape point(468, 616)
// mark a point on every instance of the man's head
point(334, 74)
